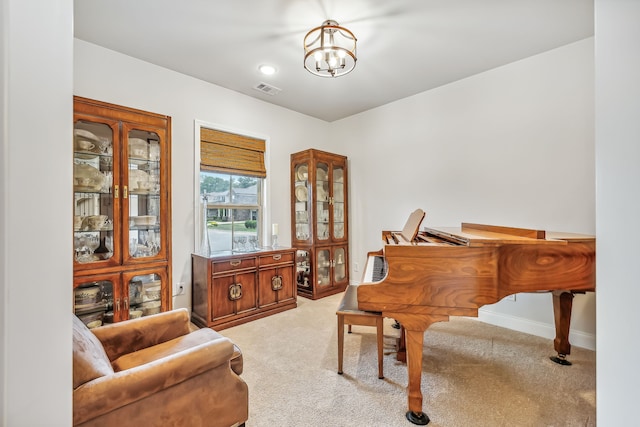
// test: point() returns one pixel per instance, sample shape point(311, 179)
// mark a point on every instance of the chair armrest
point(135, 334)
point(110, 392)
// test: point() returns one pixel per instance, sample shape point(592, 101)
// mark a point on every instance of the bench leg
point(380, 338)
point(340, 341)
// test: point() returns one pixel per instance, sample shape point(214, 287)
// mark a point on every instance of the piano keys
point(454, 271)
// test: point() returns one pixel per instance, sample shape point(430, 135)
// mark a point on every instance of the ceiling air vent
point(268, 89)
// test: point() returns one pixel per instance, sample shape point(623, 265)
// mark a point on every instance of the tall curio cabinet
point(319, 212)
point(121, 207)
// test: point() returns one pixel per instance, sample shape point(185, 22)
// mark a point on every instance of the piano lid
point(470, 234)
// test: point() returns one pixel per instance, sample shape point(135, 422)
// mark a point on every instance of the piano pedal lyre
point(560, 359)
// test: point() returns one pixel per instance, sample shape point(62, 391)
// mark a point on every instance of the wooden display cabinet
point(319, 221)
point(122, 218)
point(231, 288)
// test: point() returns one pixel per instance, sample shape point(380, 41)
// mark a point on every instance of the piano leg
point(562, 304)
point(414, 327)
point(414, 343)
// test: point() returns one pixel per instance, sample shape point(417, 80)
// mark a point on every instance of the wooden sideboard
point(232, 288)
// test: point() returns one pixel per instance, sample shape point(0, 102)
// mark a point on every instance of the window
point(234, 210)
point(232, 176)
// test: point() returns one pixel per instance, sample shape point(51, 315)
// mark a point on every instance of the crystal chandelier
point(329, 50)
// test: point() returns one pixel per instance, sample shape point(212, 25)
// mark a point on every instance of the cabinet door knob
point(116, 191)
point(235, 291)
point(235, 263)
point(124, 192)
point(276, 283)
point(277, 257)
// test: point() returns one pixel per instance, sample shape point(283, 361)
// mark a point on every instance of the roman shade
point(231, 153)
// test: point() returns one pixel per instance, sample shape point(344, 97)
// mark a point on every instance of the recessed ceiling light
point(267, 69)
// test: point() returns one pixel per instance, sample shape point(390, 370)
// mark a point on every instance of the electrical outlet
point(355, 267)
point(180, 289)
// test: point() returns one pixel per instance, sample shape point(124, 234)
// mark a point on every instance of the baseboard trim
point(544, 330)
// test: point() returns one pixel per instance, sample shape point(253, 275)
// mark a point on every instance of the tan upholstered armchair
point(155, 371)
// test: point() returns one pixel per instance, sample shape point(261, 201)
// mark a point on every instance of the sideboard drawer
point(232, 264)
point(277, 258)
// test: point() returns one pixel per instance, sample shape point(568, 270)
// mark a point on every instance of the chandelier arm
point(314, 40)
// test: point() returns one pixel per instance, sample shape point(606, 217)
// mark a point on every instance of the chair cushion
point(89, 358)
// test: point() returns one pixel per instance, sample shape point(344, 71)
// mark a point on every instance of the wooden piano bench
point(349, 314)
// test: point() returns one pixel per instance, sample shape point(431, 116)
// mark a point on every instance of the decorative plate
point(301, 193)
point(85, 134)
point(302, 173)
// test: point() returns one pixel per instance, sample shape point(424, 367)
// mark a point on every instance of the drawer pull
point(235, 263)
point(277, 257)
point(276, 283)
point(235, 291)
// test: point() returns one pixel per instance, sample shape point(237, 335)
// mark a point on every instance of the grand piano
point(426, 276)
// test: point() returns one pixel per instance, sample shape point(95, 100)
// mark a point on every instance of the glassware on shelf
point(108, 243)
point(81, 249)
point(253, 242)
point(133, 246)
point(93, 241)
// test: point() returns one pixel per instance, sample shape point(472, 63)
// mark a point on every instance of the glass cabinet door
point(93, 210)
point(142, 194)
point(145, 295)
point(322, 201)
point(323, 267)
point(93, 301)
point(302, 204)
point(303, 268)
point(338, 203)
point(339, 265)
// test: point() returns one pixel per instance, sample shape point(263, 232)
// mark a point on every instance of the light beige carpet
point(474, 374)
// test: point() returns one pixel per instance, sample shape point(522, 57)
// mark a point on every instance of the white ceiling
point(404, 46)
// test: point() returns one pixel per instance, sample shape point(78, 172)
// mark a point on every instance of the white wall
point(512, 146)
point(618, 209)
point(36, 42)
point(112, 77)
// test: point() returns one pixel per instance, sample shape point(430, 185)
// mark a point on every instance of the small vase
point(205, 247)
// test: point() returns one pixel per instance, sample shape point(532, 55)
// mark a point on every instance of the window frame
point(265, 231)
